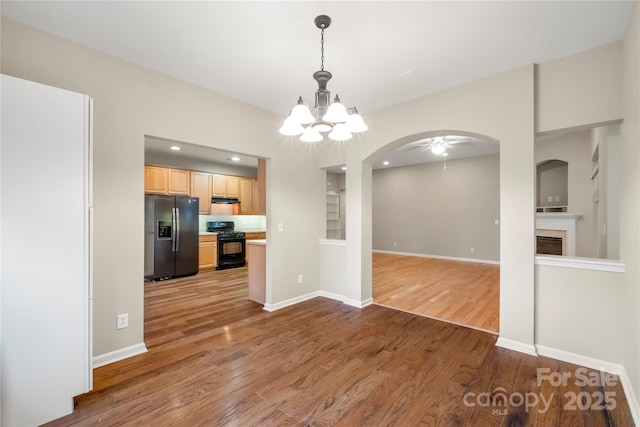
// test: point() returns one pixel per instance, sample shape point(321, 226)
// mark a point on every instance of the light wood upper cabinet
point(161, 180)
point(246, 196)
point(219, 185)
point(201, 188)
point(154, 180)
point(179, 181)
point(250, 191)
point(233, 186)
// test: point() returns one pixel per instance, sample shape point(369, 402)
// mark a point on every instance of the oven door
point(231, 252)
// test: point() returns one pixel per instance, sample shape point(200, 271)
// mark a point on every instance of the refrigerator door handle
point(174, 225)
point(177, 239)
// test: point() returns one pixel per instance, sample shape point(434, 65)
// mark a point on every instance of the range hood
point(225, 200)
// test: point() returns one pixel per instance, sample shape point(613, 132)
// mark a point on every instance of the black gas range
point(231, 244)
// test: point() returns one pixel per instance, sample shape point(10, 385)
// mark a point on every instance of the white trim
point(451, 258)
point(516, 346)
point(579, 359)
point(325, 294)
point(332, 242)
point(634, 405)
point(601, 365)
point(120, 354)
point(331, 295)
point(291, 301)
point(614, 266)
point(358, 303)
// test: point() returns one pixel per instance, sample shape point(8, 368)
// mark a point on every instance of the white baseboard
point(305, 297)
point(291, 301)
point(357, 303)
point(516, 346)
point(579, 359)
point(450, 258)
point(634, 404)
point(120, 354)
point(600, 365)
point(332, 295)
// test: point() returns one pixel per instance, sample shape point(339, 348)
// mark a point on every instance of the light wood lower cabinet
point(208, 252)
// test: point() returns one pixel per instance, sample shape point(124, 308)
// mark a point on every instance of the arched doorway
point(435, 227)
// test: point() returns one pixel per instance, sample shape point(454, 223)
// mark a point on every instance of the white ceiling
point(380, 52)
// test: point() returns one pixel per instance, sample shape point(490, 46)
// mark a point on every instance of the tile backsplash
point(242, 222)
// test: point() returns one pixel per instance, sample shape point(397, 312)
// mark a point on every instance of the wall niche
point(552, 186)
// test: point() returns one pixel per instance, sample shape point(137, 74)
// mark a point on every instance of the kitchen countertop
point(252, 230)
point(208, 233)
point(262, 242)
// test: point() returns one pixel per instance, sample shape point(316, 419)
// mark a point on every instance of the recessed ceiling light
point(386, 163)
point(344, 168)
point(235, 159)
point(445, 154)
point(175, 148)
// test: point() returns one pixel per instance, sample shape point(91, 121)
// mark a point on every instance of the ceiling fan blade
point(457, 140)
point(410, 147)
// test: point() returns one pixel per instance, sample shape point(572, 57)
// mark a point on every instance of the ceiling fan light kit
point(325, 116)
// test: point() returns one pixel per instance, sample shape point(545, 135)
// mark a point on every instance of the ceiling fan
point(438, 144)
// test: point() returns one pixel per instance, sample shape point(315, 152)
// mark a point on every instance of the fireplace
point(546, 245)
point(556, 233)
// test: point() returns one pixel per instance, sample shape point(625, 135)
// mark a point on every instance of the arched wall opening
point(501, 107)
point(435, 227)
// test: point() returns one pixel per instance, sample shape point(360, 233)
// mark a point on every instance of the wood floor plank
point(216, 359)
point(465, 293)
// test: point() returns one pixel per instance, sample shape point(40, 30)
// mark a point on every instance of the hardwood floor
point(217, 359)
point(464, 293)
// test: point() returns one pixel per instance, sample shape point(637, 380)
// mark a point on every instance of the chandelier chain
point(322, 50)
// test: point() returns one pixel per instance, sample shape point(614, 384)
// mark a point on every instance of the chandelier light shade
point(326, 117)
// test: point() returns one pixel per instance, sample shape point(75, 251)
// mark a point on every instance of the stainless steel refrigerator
point(171, 236)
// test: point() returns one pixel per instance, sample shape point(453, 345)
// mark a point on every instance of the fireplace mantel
point(560, 221)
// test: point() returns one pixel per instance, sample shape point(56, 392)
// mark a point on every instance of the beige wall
point(561, 99)
point(630, 203)
point(578, 311)
point(131, 102)
point(427, 210)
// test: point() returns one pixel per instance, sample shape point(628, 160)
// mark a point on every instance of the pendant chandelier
point(326, 116)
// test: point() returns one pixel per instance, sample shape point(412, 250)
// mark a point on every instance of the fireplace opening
point(547, 245)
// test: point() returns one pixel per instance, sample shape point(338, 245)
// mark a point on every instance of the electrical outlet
point(123, 321)
point(473, 250)
point(300, 278)
point(280, 226)
point(395, 243)
point(497, 222)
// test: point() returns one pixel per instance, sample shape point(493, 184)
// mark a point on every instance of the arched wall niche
point(552, 185)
